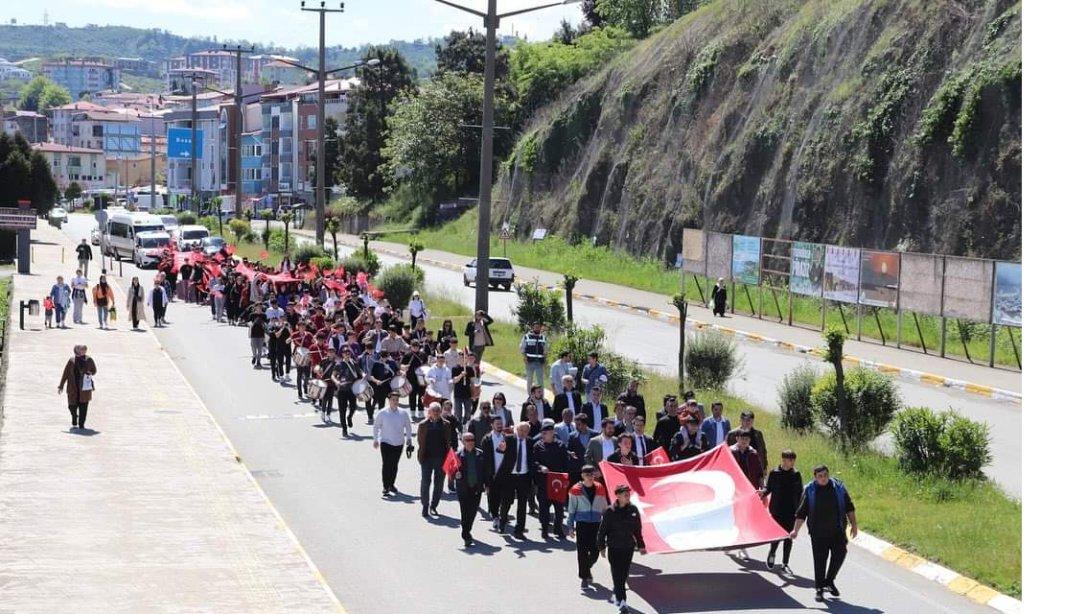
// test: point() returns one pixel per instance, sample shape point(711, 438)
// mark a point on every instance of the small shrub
point(186, 218)
point(277, 241)
point(871, 399)
point(241, 230)
point(711, 359)
point(621, 371)
point(363, 261)
point(323, 263)
point(945, 444)
point(307, 252)
point(210, 222)
point(398, 282)
point(794, 398)
point(581, 341)
point(538, 304)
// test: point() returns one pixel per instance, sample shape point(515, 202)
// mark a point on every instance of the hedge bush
point(871, 398)
point(186, 218)
point(241, 230)
point(306, 252)
point(323, 263)
point(277, 241)
point(398, 282)
point(363, 261)
point(944, 443)
point(711, 359)
point(538, 304)
point(794, 398)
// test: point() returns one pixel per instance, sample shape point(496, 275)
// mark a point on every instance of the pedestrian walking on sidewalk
point(158, 301)
point(102, 295)
point(134, 302)
point(61, 294)
point(79, 296)
point(392, 431)
point(83, 254)
point(826, 506)
point(620, 534)
point(78, 381)
point(719, 299)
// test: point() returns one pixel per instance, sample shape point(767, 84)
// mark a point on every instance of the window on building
point(311, 122)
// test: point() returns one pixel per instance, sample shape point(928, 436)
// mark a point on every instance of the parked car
point(58, 216)
point(500, 273)
point(149, 247)
point(212, 245)
point(191, 237)
point(96, 236)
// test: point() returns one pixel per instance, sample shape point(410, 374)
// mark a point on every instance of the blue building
point(252, 164)
point(82, 76)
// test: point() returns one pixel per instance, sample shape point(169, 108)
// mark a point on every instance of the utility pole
point(239, 121)
point(194, 168)
point(319, 203)
point(491, 21)
point(154, 139)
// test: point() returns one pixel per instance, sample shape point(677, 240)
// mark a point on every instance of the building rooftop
point(58, 148)
point(77, 62)
point(81, 106)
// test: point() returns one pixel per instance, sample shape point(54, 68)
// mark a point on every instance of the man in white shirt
point(595, 409)
point(494, 452)
point(603, 445)
point(559, 369)
point(520, 485)
point(273, 312)
point(452, 355)
point(392, 430)
point(716, 427)
point(440, 378)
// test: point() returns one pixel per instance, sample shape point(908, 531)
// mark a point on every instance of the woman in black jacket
point(621, 533)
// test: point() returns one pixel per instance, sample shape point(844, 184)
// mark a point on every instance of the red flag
point(339, 272)
point(230, 249)
point(452, 464)
point(557, 486)
point(700, 503)
point(657, 457)
point(263, 254)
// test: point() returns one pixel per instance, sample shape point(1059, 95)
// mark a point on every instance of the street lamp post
point(239, 122)
point(319, 201)
point(491, 20)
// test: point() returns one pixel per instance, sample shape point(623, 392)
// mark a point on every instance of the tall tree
point(635, 16)
point(43, 189)
point(41, 94)
point(465, 52)
point(365, 123)
point(332, 158)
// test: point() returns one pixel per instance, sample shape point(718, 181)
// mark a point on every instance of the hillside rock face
point(875, 123)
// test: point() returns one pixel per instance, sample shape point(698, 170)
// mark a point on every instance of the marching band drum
point(315, 389)
point(301, 357)
point(362, 390)
point(401, 385)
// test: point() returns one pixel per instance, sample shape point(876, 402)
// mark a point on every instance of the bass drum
point(315, 389)
point(362, 390)
point(301, 357)
point(401, 385)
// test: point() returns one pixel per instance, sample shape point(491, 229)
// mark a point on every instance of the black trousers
point(415, 398)
point(787, 544)
point(495, 494)
point(545, 507)
point(469, 507)
point(821, 548)
point(301, 379)
point(390, 464)
point(326, 401)
point(619, 559)
point(347, 405)
point(275, 360)
point(587, 554)
point(159, 311)
point(520, 486)
point(79, 414)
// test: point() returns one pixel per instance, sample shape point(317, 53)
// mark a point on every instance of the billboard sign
point(921, 281)
point(841, 273)
point(1008, 294)
point(806, 268)
point(179, 143)
point(968, 289)
point(879, 279)
point(745, 259)
point(719, 255)
point(694, 251)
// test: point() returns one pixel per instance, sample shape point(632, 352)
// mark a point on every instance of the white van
point(191, 237)
point(170, 223)
point(120, 238)
point(149, 246)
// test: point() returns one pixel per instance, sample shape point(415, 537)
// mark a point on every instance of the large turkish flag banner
point(701, 503)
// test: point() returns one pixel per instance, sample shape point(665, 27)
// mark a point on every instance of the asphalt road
point(655, 344)
point(379, 555)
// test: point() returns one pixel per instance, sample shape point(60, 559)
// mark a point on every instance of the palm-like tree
point(332, 225)
point(286, 219)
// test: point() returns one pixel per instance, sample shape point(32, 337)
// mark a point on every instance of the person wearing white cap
point(417, 308)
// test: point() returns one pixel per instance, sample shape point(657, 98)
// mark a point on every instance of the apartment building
point(179, 164)
point(83, 165)
point(82, 76)
point(33, 126)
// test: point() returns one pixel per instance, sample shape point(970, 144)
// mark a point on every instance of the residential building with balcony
point(82, 76)
point(33, 126)
point(179, 169)
point(83, 165)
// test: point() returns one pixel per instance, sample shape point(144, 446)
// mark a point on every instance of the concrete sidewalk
point(149, 509)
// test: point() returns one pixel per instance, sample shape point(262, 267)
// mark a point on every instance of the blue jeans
point(534, 372)
point(103, 315)
point(60, 312)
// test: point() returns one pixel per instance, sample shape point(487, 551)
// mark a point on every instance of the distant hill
point(29, 41)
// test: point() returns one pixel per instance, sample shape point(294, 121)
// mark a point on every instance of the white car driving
point(149, 246)
point(499, 274)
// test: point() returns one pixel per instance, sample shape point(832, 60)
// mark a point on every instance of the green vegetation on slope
point(933, 517)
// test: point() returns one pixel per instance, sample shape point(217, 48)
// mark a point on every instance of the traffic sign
point(17, 219)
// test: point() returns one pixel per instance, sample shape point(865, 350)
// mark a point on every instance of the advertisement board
point(806, 268)
point(179, 143)
point(879, 279)
point(745, 259)
point(841, 273)
point(1008, 294)
point(694, 251)
point(719, 255)
point(919, 283)
point(968, 288)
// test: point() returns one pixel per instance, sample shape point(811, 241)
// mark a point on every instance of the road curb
point(949, 579)
point(910, 374)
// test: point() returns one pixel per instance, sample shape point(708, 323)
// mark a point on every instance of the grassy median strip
point(603, 264)
point(970, 527)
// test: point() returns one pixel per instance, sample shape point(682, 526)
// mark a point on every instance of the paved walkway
point(147, 510)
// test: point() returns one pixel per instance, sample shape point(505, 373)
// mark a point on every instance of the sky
point(282, 21)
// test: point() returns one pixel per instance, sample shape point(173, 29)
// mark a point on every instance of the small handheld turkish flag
point(263, 254)
point(556, 486)
point(452, 464)
point(657, 457)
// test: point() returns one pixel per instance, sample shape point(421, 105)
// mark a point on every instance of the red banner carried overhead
point(701, 503)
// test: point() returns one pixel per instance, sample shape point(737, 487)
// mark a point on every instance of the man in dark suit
point(471, 479)
point(568, 398)
point(578, 444)
point(631, 397)
point(643, 444)
point(516, 469)
point(543, 408)
point(595, 409)
point(494, 448)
